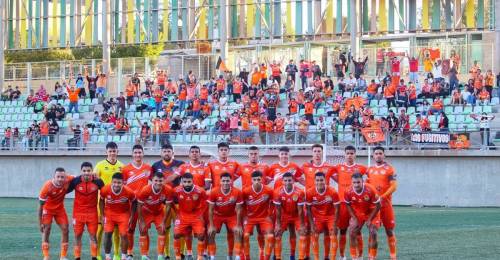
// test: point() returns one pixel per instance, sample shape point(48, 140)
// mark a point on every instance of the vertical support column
point(496, 63)
point(154, 21)
point(258, 19)
point(289, 22)
point(2, 44)
point(38, 12)
point(54, 24)
point(106, 35)
point(138, 21)
point(366, 20)
point(447, 14)
point(18, 23)
point(222, 28)
point(192, 16)
point(45, 31)
point(78, 25)
point(146, 20)
point(241, 19)
point(233, 10)
point(373, 16)
point(130, 21)
point(457, 15)
point(96, 24)
point(354, 28)
point(412, 16)
point(211, 19)
point(436, 15)
point(87, 18)
point(480, 14)
point(277, 19)
point(391, 16)
point(338, 24)
point(10, 23)
point(175, 21)
point(310, 29)
point(165, 13)
point(317, 18)
point(382, 15)
point(29, 42)
point(28, 77)
point(469, 14)
point(185, 20)
point(62, 37)
point(298, 18)
point(401, 16)
point(24, 22)
point(425, 15)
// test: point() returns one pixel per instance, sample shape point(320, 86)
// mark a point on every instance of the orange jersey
point(225, 204)
point(198, 171)
point(191, 204)
point(217, 168)
point(290, 203)
point(276, 171)
point(309, 171)
point(343, 173)
point(136, 177)
point(86, 194)
point(381, 177)
point(362, 203)
point(322, 204)
point(53, 195)
point(257, 204)
point(117, 204)
point(245, 172)
point(153, 202)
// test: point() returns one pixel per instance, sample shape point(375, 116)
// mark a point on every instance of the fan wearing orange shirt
point(383, 177)
point(52, 207)
point(225, 207)
point(151, 201)
point(363, 205)
point(86, 187)
point(342, 175)
point(322, 211)
point(279, 128)
point(257, 199)
point(220, 166)
point(135, 176)
point(118, 204)
point(195, 166)
point(191, 201)
point(289, 202)
point(284, 165)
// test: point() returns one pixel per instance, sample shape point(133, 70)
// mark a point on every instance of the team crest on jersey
point(265, 197)
point(80, 188)
point(328, 198)
point(92, 188)
point(150, 197)
point(366, 198)
point(250, 197)
point(295, 197)
point(232, 199)
point(108, 197)
point(216, 167)
point(195, 197)
point(181, 197)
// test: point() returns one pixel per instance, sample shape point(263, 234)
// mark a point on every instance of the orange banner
point(373, 135)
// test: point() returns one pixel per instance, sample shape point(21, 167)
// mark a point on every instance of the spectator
point(422, 124)
point(15, 94)
point(443, 122)
point(456, 97)
point(316, 70)
point(60, 112)
point(244, 78)
point(359, 66)
point(80, 84)
point(303, 127)
point(7, 93)
point(414, 70)
point(44, 134)
point(120, 103)
point(290, 124)
point(73, 98)
point(361, 84)
point(101, 85)
point(51, 114)
point(437, 106)
point(136, 84)
point(92, 83)
point(322, 127)
point(489, 82)
point(484, 126)
point(53, 130)
point(6, 142)
point(75, 142)
point(402, 94)
point(304, 70)
point(121, 126)
point(291, 70)
point(484, 96)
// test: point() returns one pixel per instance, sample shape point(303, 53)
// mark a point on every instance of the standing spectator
point(489, 82)
point(316, 70)
point(291, 70)
point(414, 70)
point(443, 122)
point(263, 76)
point(244, 78)
point(136, 82)
point(322, 127)
point(453, 78)
point(53, 130)
point(304, 70)
point(484, 126)
point(389, 94)
point(359, 66)
point(303, 127)
point(402, 94)
point(380, 61)
point(101, 85)
point(73, 98)
point(276, 72)
point(120, 104)
point(80, 84)
point(290, 128)
point(92, 83)
point(6, 142)
point(44, 134)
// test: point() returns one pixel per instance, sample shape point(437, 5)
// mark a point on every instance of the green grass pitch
point(422, 233)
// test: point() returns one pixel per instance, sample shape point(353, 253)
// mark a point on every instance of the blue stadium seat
point(478, 109)
point(487, 109)
point(458, 110)
point(467, 110)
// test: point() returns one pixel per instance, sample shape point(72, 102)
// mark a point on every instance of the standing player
point(216, 168)
point(278, 170)
point(309, 170)
point(363, 205)
point(136, 176)
point(254, 164)
point(86, 187)
point(342, 175)
point(105, 170)
point(151, 209)
point(383, 177)
point(118, 205)
point(323, 211)
point(289, 202)
point(191, 200)
point(170, 169)
point(257, 199)
point(52, 207)
point(224, 207)
point(195, 166)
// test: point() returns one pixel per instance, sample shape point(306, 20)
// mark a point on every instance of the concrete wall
point(425, 177)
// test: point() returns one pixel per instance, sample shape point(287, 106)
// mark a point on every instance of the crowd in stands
point(246, 105)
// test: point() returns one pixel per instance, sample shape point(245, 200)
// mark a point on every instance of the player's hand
point(211, 231)
point(238, 231)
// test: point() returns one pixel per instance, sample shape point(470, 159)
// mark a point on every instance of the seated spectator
point(422, 124)
point(30, 100)
point(58, 92)
point(143, 103)
point(426, 90)
point(53, 130)
point(371, 90)
point(484, 96)
point(121, 126)
point(456, 97)
point(15, 94)
point(443, 122)
point(7, 93)
point(109, 105)
point(402, 95)
point(437, 106)
point(96, 121)
point(361, 84)
point(60, 112)
point(51, 113)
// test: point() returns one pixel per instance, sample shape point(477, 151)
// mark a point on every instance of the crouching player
point(118, 203)
point(323, 211)
point(363, 205)
point(151, 209)
point(224, 207)
point(86, 187)
point(289, 202)
point(189, 218)
point(52, 207)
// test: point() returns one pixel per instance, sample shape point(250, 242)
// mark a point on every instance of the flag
point(221, 65)
point(373, 135)
point(459, 141)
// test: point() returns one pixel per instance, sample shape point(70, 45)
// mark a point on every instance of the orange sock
point(360, 245)
point(268, 245)
point(212, 249)
point(342, 242)
point(77, 251)
point(293, 245)
point(230, 243)
point(246, 245)
point(160, 246)
point(45, 249)
point(130, 247)
point(333, 247)
point(354, 251)
point(315, 246)
point(143, 245)
point(392, 242)
point(326, 245)
point(93, 249)
point(177, 248)
point(307, 250)
point(277, 247)
point(64, 249)
point(372, 253)
point(200, 248)
point(189, 245)
point(302, 247)
point(237, 248)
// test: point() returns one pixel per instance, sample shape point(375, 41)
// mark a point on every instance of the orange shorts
point(157, 219)
point(362, 218)
point(81, 220)
point(322, 225)
point(230, 222)
point(185, 226)
point(121, 221)
point(344, 216)
point(387, 215)
point(58, 214)
point(287, 221)
point(264, 225)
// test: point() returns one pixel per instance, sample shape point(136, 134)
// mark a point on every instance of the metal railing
point(397, 140)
